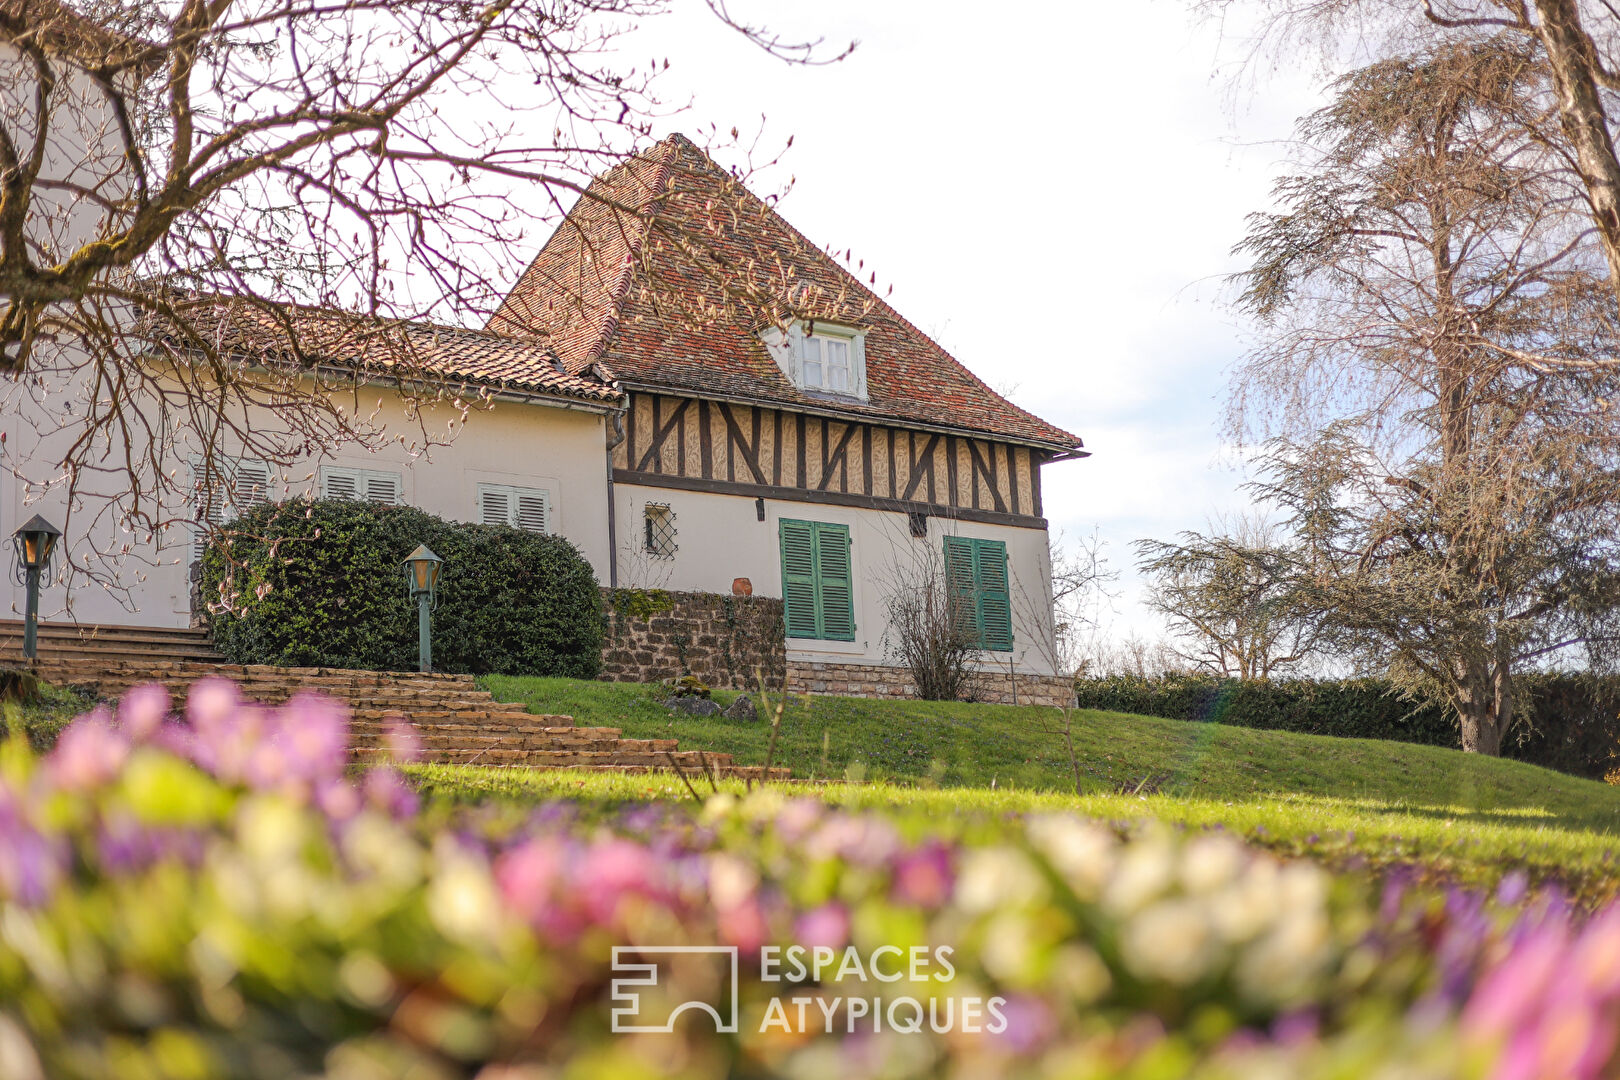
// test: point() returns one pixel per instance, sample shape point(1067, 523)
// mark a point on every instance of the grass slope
point(954, 744)
point(1349, 802)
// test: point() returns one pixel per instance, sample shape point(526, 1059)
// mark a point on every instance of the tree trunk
point(1574, 60)
point(1484, 703)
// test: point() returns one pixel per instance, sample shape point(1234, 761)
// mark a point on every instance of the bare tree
point(1082, 584)
point(930, 629)
point(1577, 44)
point(1232, 599)
point(1454, 494)
point(240, 223)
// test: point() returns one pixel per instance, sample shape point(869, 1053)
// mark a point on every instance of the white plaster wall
point(720, 538)
point(147, 583)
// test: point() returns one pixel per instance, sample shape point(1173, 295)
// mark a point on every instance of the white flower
point(1170, 940)
point(1143, 874)
point(994, 877)
point(1209, 863)
point(1081, 853)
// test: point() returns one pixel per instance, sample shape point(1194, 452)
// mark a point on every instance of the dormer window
point(821, 358)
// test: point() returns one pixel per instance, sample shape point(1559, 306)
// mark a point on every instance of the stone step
point(432, 744)
point(370, 730)
point(690, 760)
point(455, 721)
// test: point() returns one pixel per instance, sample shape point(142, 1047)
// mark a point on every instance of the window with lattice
point(658, 531)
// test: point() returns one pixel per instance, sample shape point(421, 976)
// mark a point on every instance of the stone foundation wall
point(882, 681)
point(653, 634)
point(723, 640)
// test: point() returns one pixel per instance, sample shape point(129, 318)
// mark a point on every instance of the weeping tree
point(1575, 42)
point(1433, 379)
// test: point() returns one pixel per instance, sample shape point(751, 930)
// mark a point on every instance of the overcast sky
point(1052, 189)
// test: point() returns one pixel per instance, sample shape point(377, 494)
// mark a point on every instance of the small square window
point(918, 521)
point(658, 531)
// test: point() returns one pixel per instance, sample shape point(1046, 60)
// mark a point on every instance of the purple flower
point(387, 789)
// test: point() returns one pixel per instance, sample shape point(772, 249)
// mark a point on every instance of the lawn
point(1348, 802)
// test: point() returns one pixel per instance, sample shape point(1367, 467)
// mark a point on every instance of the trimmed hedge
point(320, 584)
point(1566, 722)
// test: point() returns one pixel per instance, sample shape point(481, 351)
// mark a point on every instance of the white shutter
point(531, 511)
point(494, 506)
point(523, 508)
point(339, 483)
point(383, 487)
point(246, 484)
point(857, 366)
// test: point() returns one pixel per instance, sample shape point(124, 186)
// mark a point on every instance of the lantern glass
point(35, 542)
point(422, 570)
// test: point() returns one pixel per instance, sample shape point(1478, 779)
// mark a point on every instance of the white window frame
point(792, 350)
point(230, 507)
point(363, 481)
point(513, 513)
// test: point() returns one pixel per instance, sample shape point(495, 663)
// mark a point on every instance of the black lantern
point(422, 579)
point(34, 543)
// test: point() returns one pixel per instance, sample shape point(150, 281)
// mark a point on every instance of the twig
point(680, 772)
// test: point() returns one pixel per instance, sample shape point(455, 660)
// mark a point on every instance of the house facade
point(698, 398)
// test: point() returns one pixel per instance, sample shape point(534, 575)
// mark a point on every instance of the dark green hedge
point(510, 602)
point(1568, 722)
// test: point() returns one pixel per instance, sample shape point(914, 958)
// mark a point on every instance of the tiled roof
point(668, 268)
point(399, 348)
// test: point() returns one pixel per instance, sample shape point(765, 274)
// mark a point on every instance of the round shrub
point(320, 584)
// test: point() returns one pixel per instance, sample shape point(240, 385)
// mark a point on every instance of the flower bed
point(217, 895)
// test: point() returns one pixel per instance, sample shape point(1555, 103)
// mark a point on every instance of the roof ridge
point(660, 179)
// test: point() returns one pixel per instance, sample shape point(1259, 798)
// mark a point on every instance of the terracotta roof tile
point(448, 352)
point(668, 268)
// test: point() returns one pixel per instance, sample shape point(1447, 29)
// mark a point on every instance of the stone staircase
point(457, 722)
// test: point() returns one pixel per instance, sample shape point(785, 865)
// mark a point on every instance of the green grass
point(1431, 843)
point(953, 744)
point(1349, 802)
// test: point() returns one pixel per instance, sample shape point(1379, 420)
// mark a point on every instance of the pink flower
point(1511, 992)
point(315, 731)
point(923, 876)
point(89, 752)
point(142, 710)
point(404, 744)
point(827, 925)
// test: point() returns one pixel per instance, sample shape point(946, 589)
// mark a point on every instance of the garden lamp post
point(34, 543)
point(422, 576)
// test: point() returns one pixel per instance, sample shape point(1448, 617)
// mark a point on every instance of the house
point(686, 388)
point(784, 426)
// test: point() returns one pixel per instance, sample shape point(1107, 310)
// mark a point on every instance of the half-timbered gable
point(723, 447)
point(784, 428)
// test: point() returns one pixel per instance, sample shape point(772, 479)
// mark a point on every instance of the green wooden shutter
point(799, 578)
point(961, 581)
point(976, 573)
point(995, 607)
point(835, 590)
